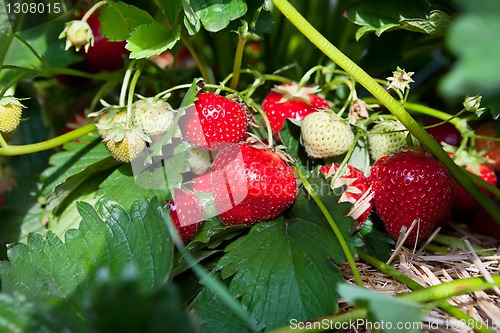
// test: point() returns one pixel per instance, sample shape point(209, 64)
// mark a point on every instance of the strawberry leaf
point(208, 13)
point(122, 187)
point(379, 16)
point(282, 270)
point(151, 39)
point(114, 304)
point(469, 39)
point(171, 9)
point(119, 20)
point(108, 238)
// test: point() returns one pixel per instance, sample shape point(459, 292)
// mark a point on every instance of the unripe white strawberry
point(10, 114)
point(152, 115)
point(324, 134)
point(200, 161)
point(386, 138)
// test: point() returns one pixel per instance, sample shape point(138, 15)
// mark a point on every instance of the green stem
point(12, 83)
point(413, 285)
point(3, 142)
point(93, 9)
point(12, 150)
point(238, 56)
point(394, 106)
point(197, 60)
point(32, 50)
point(333, 225)
point(130, 99)
point(126, 80)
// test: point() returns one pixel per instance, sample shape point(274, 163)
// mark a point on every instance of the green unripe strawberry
point(10, 114)
point(324, 134)
point(153, 116)
point(127, 149)
point(386, 138)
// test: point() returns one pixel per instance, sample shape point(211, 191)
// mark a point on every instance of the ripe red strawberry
point(473, 163)
point(412, 186)
point(202, 183)
point(214, 122)
point(356, 190)
point(186, 212)
point(484, 223)
point(288, 101)
point(251, 183)
point(445, 132)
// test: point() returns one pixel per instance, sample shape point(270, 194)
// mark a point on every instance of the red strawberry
point(473, 164)
point(483, 223)
point(445, 132)
point(202, 183)
point(252, 183)
point(356, 190)
point(186, 212)
point(213, 122)
point(287, 101)
point(412, 186)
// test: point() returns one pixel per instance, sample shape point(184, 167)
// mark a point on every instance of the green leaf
point(82, 158)
point(122, 187)
point(119, 20)
point(472, 38)
point(108, 237)
point(283, 270)
point(376, 243)
point(215, 315)
point(214, 15)
point(391, 311)
point(151, 39)
point(171, 9)
point(436, 24)
point(379, 16)
point(113, 304)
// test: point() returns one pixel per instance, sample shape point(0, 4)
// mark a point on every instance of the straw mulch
point(428, 268)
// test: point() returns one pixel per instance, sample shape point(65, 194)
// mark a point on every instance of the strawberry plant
point(248, 166)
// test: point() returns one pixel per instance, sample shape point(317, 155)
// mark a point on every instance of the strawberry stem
point(333, 225)
point(394, 106)
point(238, 56)
point(13, 150)
point(131, 90)
point(93, 9)
point(126, 80)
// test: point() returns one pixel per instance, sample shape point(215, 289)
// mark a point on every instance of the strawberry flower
point(400, 79)
point(78, 33)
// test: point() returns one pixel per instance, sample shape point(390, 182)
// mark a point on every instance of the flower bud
point(472, 103)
